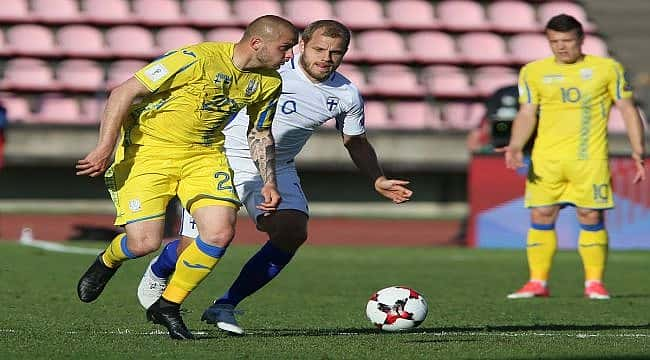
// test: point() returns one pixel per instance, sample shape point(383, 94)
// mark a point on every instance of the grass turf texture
point(315, 309)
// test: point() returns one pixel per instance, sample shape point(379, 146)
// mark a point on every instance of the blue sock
point(166, 263)
point(258, 271)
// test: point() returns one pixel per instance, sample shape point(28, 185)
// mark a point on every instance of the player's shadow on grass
point(213, 333)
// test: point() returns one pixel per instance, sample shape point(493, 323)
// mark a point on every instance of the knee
point(544, 215)
point(589, 216)
point(288, 237)
point(219, 237)
point(142, 246)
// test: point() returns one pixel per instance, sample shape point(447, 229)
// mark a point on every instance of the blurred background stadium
point(424, 68)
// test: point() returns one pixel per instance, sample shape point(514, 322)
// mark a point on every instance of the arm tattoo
point(262, 147)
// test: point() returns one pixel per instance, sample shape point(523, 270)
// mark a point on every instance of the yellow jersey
point(195, 92)
point(574, 102)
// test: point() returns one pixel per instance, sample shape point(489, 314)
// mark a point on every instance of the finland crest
point(332, 102)
point(252, 86)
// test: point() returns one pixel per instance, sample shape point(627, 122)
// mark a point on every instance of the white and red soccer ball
point(396, 308)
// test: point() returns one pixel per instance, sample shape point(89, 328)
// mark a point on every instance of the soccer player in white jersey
point(312, 93)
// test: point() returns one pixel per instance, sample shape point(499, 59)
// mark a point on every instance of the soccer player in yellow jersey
point(568, 96)
point(172, 145)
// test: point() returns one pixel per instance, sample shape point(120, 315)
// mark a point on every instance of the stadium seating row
point(394, 115)
point(82, 75)
point(130, 41)
point(453, 15)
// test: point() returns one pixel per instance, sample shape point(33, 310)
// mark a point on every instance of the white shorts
point(248, 187)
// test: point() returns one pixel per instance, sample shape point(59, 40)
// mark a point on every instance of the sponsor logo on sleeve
point(156, 72)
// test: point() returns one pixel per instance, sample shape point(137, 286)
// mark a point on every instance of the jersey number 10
point(571, 95)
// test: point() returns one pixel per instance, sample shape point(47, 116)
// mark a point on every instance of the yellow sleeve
point(528, 93)
point(170, 70)
point(619, 83)
point(261, 113)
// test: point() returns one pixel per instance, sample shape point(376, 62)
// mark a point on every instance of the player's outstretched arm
point(262, 147)
point(117, 107)
point(365, 158)
point(634, 128)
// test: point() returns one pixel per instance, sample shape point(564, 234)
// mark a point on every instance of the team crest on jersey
point(551, 78)
point(251, 87)
point(332, 102)
point(586, 74)
point(134, 205)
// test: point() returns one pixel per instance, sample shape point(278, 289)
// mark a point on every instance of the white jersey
point(302, 108)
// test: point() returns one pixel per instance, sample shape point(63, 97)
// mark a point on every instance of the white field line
point(26, 239)
point(298, 333)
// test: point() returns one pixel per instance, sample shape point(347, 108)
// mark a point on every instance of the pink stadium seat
point(376, 115)
point(512, 16)
point(354, 54)
point(131, 41)
point(174, 37)
point(81, 41)
point(394, 80)
point(457, 116)
point(476, 114)
point(594, 45)
point(549, 9)
point(413, 115)
point(158, 12)
point(58, 110)
point(108, 11)
point(360, 14)
point(122, 70)
point(303, 12)
point(28, 74)
point(80, 75)
point(248, 10)
point(615, 124)
point(17, 108)
point(56, 11)
point(4, 47)
point(488, 79)
point(356, 76)
point(462, 15)
point(224, 34)
point(525, 48)
point(209, 13)
point(447, 81)
point(432, 47)
point(382, 46)
point(92, 110)
point(31, 40)
point(15, 11)
point(483, 48)
point(411, 15)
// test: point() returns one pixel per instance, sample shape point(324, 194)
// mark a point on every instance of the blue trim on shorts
point(543, 227)
point(594, 227)
point(125, 249)
point(210, 250)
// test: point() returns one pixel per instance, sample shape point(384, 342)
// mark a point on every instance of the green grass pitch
point(315, 309)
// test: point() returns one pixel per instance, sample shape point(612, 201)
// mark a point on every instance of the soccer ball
point(396, 308)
